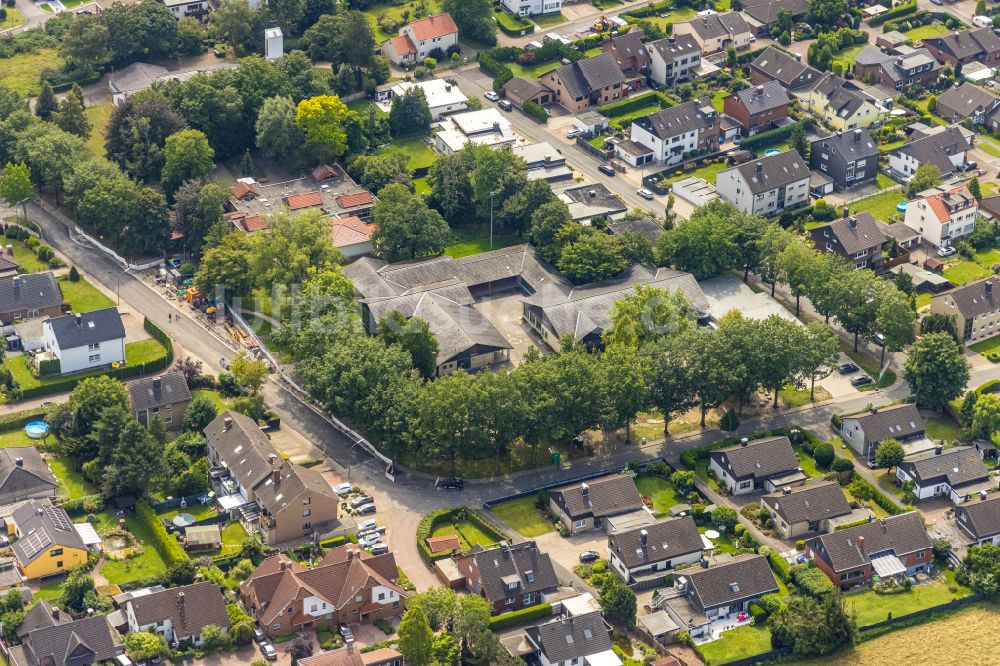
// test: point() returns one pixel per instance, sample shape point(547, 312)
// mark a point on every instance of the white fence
point(117, 257)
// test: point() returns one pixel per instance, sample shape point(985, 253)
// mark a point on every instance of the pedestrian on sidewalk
point(169, 317)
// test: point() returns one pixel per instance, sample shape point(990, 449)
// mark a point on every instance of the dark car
point(589, 556)
point(847, 369)
point(258, 635)
point(452, 483)
point(346, 632)
point(605, 169)
point(269, 652)
point(505, 105)
point(365, 509)
point(358, 501)
point(862, 380)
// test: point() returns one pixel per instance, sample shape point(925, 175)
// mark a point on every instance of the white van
point(123, 660)
point(982, 21)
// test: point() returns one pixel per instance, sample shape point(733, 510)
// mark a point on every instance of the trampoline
point(183, 519)
point(37, 429)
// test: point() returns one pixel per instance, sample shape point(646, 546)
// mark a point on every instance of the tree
point(415, 637)
point(144, 645)
point(437, 604)
point(91, 397)
point(187, 156)
point(981, 8)
point(376, 171)
point(895, 320)
point(200, 412)
point(824, 287)
point(636, 247)
point(925, 177)
point(824, 455)
point(981, 570)
point(968, 408)
point(623, 378)
point(731, 59)
point(858, 306)
point(813, 626)
point(986, 416)
point(300, 647)
point(940, 323)
point(233, 22)
point(820, 354)
point(593, 257)
point(225, 268)
point(773, 241)
point(137, 132)
point(413, 335)
point(71, 118)
point(683, 481)
point(190, 36)
point(16, 186)
point(618, 602)
point(197, 208)
point(213, 640)
point(250, 374)
point(725, 518)
point(84, 43)
point(474, 19)
point(646, 315)
point(795, 265)
point(799, 141)
point(545, 225)
point(936, 370)
point(706, 244)
point(294, 245)
point(133, 462)
point(75, 588)
point(975, 188)
point(278, 135)
point(145, 30)
point(782, 344)
point(410, 115)
point(889, 453)
point(46, 103)
point(405, 228)
point(322, 121)
point(447, 418)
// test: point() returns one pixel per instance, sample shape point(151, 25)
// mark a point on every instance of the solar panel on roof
point(58, 518)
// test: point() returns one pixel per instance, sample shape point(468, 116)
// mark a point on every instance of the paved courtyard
point(504, 311)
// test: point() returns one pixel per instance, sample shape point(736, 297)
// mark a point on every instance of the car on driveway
point(645, 194)
point(572, 133)
point(358, 501)
point(370, 539)
point(365, 509)
point(589, 556)
point(861, 380)
point(847, 369)
point(946, 251)
point(505, 105)
point(490, 95)
point(342, 488)
point(366, 525)
point(346, 632)
point(269, 652)
point(258, 635)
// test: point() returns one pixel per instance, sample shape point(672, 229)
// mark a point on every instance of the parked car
point(451, 483)
point(258, 635)
point(946, 250)
point(645, 194)
point(366, 525)
point(490, 95)
point(606, 169)
point(269, 652)
point(505, 105)
point(346, 632)
point(342, 488)
point(847, 369)
point(365, 509)
point(572, 133)
point(379, 549)
point(370, 539)
point(589, 556)
point(861, 380)
point(358, 501)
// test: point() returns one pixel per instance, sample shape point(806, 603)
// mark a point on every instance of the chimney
point(157, 382)
point(937, 450)
point(989, 287)
point(760, 91)
point(857, 135)
point(282, 565)
point(55, 613)
point(760, 167)
point(982, 495)
point(496, 126)
point(744, 441)
point(79, 319)
point(643, 538)
point(852, 222)
point(17, 286)
point(447, 87)
point(861, 544)
point(881, 521)
point(847, 212)
point(592, 193)
point(227, 422)
point(787, 490)
point(19, 461)
point(704, 563)
point(874, 410)
point(584, 489)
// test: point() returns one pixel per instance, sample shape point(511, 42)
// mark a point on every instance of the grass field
point(989, 145)
point(847, 56)
point(673, 16)
point(83, 296)
point(511, 23)
point(546, 20)
point(736, 644)
point(16, 438)
point(221, 403)
point(99, 116)
point(942, 427)
point(660, 491)
point(148, 564)
point(14, 19)
point(963, 271)
point(28, 260)
point(468, 534)
point(652, 104)
point(474, 241)
point(706, 173)
point(136, 353)
point(418, 155)
point(538, 69)
point(523, 516)
point(923, 299)
point(929, 30)
point(883, 181)
point(421, 186)
point(871, 607)
point(20, 73)
point(881, 206)
point(396, 11)
point(71, 483)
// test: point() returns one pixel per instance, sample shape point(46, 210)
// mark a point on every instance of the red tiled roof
point(356, 199)
point(304, 200)
point(324, 172)
point(241, 189)
point(443, 544)
point(434, 26)
point(939, 208)
point(253, 224)
point(403, 45)
point(351, 230)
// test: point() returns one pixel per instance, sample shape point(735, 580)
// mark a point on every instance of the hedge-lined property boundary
point(435, 518)
point(895, 12)
point(765, 138)
point(16, 420)
point(615, 109)
point(535, 111)
point(164, 543)
point(520, 616)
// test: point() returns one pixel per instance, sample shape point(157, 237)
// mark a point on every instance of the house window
point(55, 552)
point(381, 596)
point(307, 500)
point(94, 358)
point(305, 514)
point(510, 601)
point(59, 564)
point(921, 554)
point(580, 523)
point(306, 526)
point(168, 419)
point(32, 314)
point(745, 484)
point(93, 346)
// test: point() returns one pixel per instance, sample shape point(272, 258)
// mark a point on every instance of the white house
point(865, 431)
point(85, 341)
point(944, 147)
point(571, 640)
point(650, 549)
point(197, 8)
point(763, 464)
point(958, 474)
point(980, 520)
point(179, 613)
point(673, 59)
point(487, 127)
point(766, 186)
point(942, 214)
point(442, 97)
point(417, 40)
point(531, 7)
point(672, 134)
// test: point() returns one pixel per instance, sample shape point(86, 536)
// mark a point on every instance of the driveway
point(566, 550)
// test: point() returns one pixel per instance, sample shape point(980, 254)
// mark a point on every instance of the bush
point(800, 544)
point(756, 612)
point(623, 107)
point(165, 544)
point(824, 454)
point(520, 616)
point(535, 111)
point(773, 136)
point(781, 567)
point(812, 581)
point(842, 465)
point(689, 458)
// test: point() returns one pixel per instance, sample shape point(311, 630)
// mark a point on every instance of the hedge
point(690, 457)
point(878, 497)
point(81, 506)
point(649, 10)
point(49, 367)
point(501, 73)
point(893, 13)
point(17, 420)
point(922, 17)
point(485, 526)
point(164, 543)
point(780, 565)
point(520, 616)
point(535, 111)
point(513, 28)
point(772, 136)
point(635, 103)
point(424, 529)
point(750, 56)
point(847, 526)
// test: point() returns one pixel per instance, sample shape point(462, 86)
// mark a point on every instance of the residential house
point(887, 547)
point(590, 504)
point(543, 161)
point(29, 296)
point(8, 264)
point(165, 397)
point(47, 544)
point(486, 128)
point(673, 59)
point(815, 507)
point(43, 614)
point(350, 656)
point(975, 306)
point(587, 201)
point(85, 341)
point(179, 613)
point(957, 474)
point(858, 239)
point(647, 552)
point(531, 7)
point(281, 500)
point(198, 9)
point(865, 431)
point(777, 65)
point(840, 106)
point(24, 475)
point(908, 67)
point(849, 158)
point(944, 148)
point(581, 640)
point(352, 236)
point(521, 89)
point(89, 640)
point(417, 40)
point(629, 52)
point(942, 214)
point(442, 96)
point(670, 135)
point(763, 464)
point(762, 15)
point(509, 576)
point(766, 186)
point(965, 46)
point(588, 82)
point(758, 108)
point(717, 32)
point(967, 102)
point(891, 40)
point(980, 520)
point(348, 586)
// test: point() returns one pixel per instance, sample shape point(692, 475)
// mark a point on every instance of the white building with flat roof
point(442, 96)
point(487, 127)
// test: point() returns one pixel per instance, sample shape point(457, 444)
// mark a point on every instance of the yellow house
point(839, 107)
point(47, 542)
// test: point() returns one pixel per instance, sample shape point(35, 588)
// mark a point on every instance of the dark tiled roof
point(293, 481)
point(967, 99)
point(973, 299)
point(856, 233)
point(680, 119)
point(80, 330)
point(759, 98)
point(717, 25)
point(965, 43)
point(41, 615)
point(776, 171)
point(571, 637)
point(243, 447)
point(646, 226)
point(34, 291)
point(980, 518)
point(936, 148)
point(767, 11)
point(522, 561)
point(746, 576)
point(760, 458)
point(189, 608)
point(871, 55)
point(814, 502)
point(851, 145)
point(902, 534)
point(958, 466)
point(674, 47)
point(86, 641)
point(24, 473)
point(785, 69)
point(42, 526)
point(630, 45)
point(606, 496)
point(523, 88)
point(146, 394)
point(900, 423)
point(585, 76)
point(665, 540)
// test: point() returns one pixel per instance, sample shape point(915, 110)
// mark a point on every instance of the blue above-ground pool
point(37, 429)
point(771, 151)
point(901, 206)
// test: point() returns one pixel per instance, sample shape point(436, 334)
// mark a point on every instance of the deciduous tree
point(323, 121)
point(936, 370)
point(405, 227)
point(706, 244)
point(416, 638)
point(278, 135)
point(187, 156)
point(413, 335)
point(16, 186)
point(889, 453)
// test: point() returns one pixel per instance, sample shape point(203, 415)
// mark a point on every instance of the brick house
point(965, 46)
point(758, 107)
point(165, 397)
point(29, 296)
point(510, 577)
point(588, 82)
point(858, 239)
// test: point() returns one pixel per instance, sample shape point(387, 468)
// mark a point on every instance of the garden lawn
point(25, 257)
point(736, 644)
point(719, 100)
point(14, 19)
point(984, 347)
point(546, 20)
point(660, 491)
point(606, 4)
point(83, 296)
point(964, 271)
point(16, 438)
point(99, 116)
point(196, 509)
point(942, 427)
point(672, 16)
point(395, 11)
point(468, 534)
point(50, 590)
point(143, 351)
point(923, 298)
point(881, 206)
point(511, 24)
point(72, 485)
point(848, 55)
point(136, 353)
point(883, 181)
point(472, 241)
point(20, 73)
point(148, 564)
point(723, 542)
point(221, 403)
point(418, 155)
point(924, 31)
point(807, 463)
point(991, 146)
point(987, 257)
point(523, 516)
point(533, 71)
point(233, 535)
point(421, 186)
point(796, 397)
point(707, 173)
point(871, 607)
point(652, 105)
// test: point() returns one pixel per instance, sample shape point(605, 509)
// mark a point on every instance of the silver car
point(645, 194)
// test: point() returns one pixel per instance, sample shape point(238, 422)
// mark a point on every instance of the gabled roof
point(843, 101)
point(41, 615)
point(760, 98)
point(440, 25)
point(849, 146)
point(293, 481)
point(596, 73)
point(80, 330)
point(717, 25)
point(760, 458)
point(403, 45)
point(242, 445)
point(603, 496)
point(871, 55)
point(189, 608)
point(303, 200)
point(670, 48)
point(33, 291)
point(41, 527)
point(571, 637)
point(766, 12)
point(630, 45)
point(903, 534)
point(968, 99)
point(350, 656)
point(974, 298)
point(809, 503)
point(980, 518)
point(351, 231)
point(965, 43)
point(746, 576)
point(768, 173)
point(855, 233)
point(687, 117)
point(940, 200)
point(665, 540)
point(523, 88)
point(935, 148)
point(785, 69)
point(24, 473)
point(85, 641)
point(150, 392)
point(958, 467)
point(355, 199)
point(900, 423)
point(135, 77)
point(522, 564)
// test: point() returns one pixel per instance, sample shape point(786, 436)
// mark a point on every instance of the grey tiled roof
point(80, 330)
point(523, 560)
point(766, 11)
point(23, 472)
point(965, 43)
point(717, 25)
point(775, 171)
point(665, 540)
point(759, 98)
point(585, 76)
point(851, 145)
point(42, 526)
point(856, 233)
point(785, 69)
point(958, 466)
point(293, 481)
point(973, 299)
point(900, 423)
point(189, 608)
point(902, 534)
point(85, 641)
point(980, 518)
point(571, 637)
point(677, 120)
point(646, 226)
point(172, 389)
point(967, 99)
point(523, 88)
point(41, 615)
point(936, 148)
point(34, 291)
point(871, 55)
point(606, 496)
point(670, 48)
point(813, 502)
point(760, 458)
point(745, 577)
point(244, 447)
